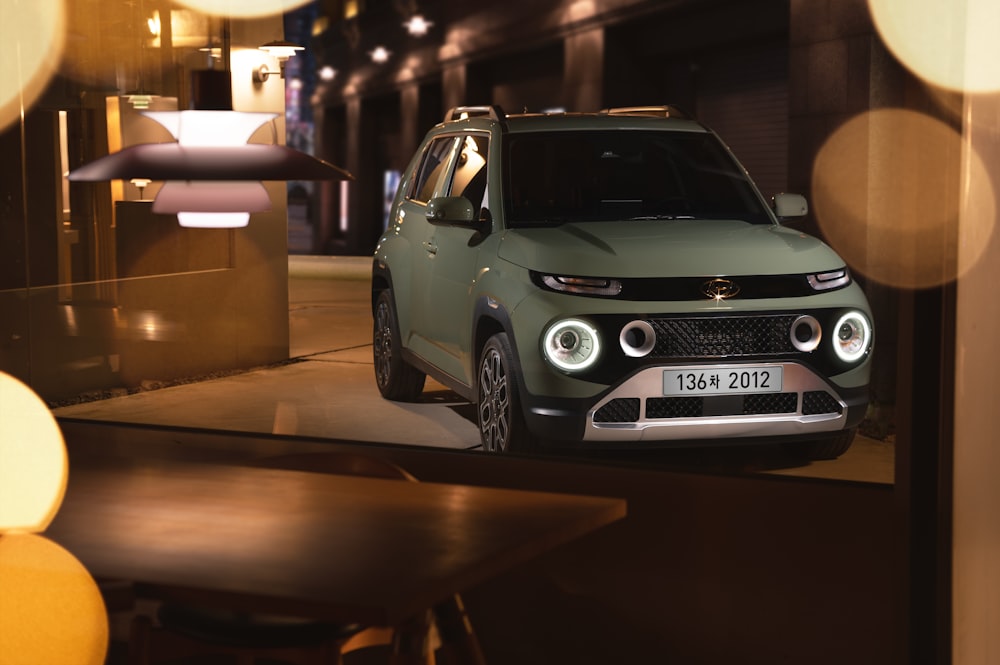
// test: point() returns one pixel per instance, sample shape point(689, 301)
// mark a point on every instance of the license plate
point(736, 380)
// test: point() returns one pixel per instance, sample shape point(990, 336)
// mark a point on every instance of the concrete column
point(583, 70)
point(354, 162)
point(323, 213)
point(409, 102)
point(453, 85)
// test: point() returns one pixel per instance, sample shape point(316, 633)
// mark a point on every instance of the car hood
point(667, 248)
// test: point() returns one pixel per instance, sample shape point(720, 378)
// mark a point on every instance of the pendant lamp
point(212, 176)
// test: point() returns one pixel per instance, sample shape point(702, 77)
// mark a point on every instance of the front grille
point(673, 407)
point(745, 405)
point(759, 404)
point(819, 402)
point(719, 337)
point(623, 410)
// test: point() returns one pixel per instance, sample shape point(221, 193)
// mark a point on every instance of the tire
point(498, 406)
point(831, 448)
point(396, 379)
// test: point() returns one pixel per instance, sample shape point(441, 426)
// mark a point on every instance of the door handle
point(430, 247)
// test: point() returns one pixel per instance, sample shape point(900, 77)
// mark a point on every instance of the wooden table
point(333, 547)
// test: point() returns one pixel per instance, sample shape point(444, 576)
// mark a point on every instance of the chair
point(186, 632)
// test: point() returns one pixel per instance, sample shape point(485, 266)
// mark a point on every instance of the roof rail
point(461, 112)
point(667, 111)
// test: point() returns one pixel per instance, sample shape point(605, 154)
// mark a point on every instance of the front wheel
point(396, 379)
point(501, 422)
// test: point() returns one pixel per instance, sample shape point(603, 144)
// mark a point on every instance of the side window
point(470, 171)
point(433, 170)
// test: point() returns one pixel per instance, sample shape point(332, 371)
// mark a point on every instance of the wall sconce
point(211, 174)
point(140, 100)
point(280, 50)
point(213, 52)
point(153, 24)
point(51, 610)
point(141, 184)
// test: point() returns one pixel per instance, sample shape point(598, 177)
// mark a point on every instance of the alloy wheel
point(382, 344)
point(494, 402)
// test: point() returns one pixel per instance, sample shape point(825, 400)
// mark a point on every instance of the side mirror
point(789, 205)
point(451, 210)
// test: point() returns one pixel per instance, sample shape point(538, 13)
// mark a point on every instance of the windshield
point(579, 176)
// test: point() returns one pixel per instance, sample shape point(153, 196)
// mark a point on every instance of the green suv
point(614, 280)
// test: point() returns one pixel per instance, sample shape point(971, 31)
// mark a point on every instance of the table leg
point(459, 645)
point(411, 641)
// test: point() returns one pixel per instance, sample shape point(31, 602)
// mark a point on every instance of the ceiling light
point(418, 25)
point(327, 73)
point(380, 54)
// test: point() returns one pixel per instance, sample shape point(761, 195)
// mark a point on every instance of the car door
point(412, 285)
point(455, 260)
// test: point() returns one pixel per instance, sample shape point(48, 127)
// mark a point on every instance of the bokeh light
point(951, 43)
point(33, 462)
point(51, 610)
point(32, 34)
point(243, 8)
point(889, 190)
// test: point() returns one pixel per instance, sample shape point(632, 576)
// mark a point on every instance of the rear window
point(578, 176)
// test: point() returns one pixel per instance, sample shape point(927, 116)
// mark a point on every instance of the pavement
point(327, 389)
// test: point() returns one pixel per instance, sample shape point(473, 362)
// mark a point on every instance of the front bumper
point(636, 410)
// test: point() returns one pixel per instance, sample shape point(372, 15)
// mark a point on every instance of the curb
point(330, 267)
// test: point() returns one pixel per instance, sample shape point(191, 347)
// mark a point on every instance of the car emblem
point(720, 289)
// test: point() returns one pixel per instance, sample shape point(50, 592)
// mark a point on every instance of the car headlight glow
point(571, 345)
point(852, 336)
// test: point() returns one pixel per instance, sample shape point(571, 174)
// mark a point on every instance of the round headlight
point(852, 336)
point(571, 345)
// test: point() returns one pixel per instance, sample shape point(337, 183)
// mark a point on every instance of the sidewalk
point(326, 390)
